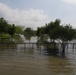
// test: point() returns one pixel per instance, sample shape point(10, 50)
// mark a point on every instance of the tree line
point(12, 29)
point(55, 30)
point(6, 28)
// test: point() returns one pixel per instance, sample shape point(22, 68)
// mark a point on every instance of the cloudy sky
point(35, 13)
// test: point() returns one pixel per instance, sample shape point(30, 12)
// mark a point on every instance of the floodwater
point(36, 62)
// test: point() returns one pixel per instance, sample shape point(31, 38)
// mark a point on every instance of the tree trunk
point(63, 48)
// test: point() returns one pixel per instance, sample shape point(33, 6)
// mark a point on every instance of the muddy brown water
point(36, 62)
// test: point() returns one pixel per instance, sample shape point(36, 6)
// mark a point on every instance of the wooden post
point(73, 47)
point(7, 45)
point(24, 46)
point(67, 47)
point(32, 45)
point(54, 46)
point(63, 48)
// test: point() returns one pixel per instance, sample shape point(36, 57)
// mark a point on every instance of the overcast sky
point(36, 13)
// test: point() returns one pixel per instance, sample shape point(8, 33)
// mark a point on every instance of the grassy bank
point(5, 38)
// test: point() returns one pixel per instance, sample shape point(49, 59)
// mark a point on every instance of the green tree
point(11, 30)
point(56, 31)
point(28, 33)
point(19, 29)
point(41, 31)
point(66, 33)
point(52, 29)
point(3, 26)
point(38, 32)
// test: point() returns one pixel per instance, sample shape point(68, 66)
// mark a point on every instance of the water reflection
point(35, 61)
point(60, 66)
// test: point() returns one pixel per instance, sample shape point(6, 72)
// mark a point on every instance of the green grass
point(5, 36)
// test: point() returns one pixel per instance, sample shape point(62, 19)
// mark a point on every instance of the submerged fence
point(37, 48)
point(36, 45)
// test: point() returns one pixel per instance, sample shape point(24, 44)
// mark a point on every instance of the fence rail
point(35, 45)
